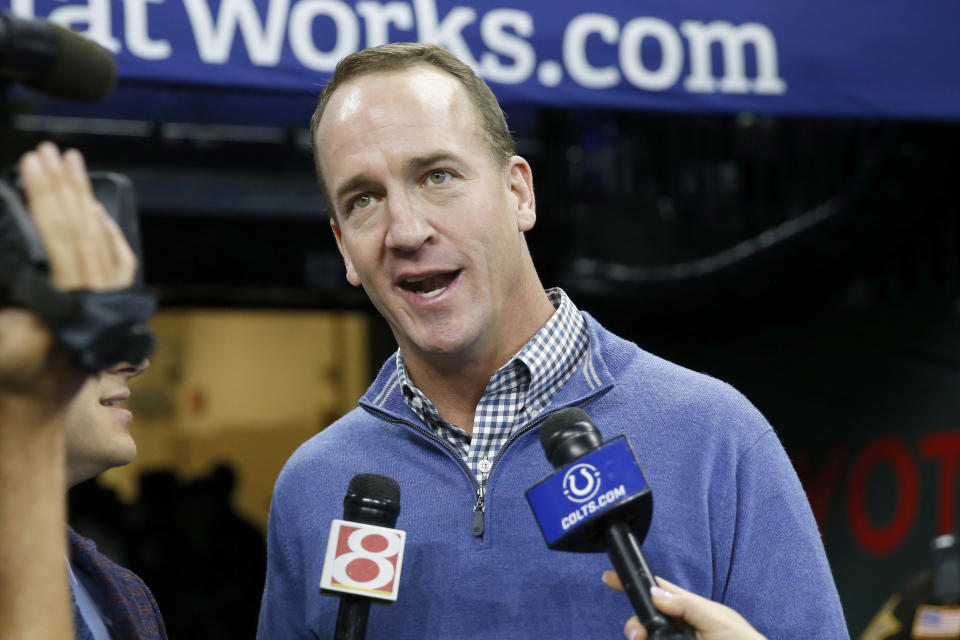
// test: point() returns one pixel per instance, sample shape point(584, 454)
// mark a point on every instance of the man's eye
point(361, 202)
point(439, 176)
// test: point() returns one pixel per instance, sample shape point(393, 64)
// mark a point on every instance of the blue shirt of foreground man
point(430, 208)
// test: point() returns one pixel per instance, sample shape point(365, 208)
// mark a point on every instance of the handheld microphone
point(54, 59)
point(364, 553)
point(598, 500)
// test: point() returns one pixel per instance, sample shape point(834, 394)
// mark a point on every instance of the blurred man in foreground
point(58, 427)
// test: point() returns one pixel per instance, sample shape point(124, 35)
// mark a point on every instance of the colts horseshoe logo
point(581, 482)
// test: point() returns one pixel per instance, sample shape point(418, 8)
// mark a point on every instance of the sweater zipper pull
point(478, 510)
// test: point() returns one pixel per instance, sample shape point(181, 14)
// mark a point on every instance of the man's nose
point(409, 228)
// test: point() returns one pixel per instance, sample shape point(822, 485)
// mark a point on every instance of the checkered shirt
point(516, 393)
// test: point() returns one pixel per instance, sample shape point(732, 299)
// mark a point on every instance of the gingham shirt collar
point(516, 393)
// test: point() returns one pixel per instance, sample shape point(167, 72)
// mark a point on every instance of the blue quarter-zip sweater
point(730, 519)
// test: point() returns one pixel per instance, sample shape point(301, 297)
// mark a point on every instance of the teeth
point(111, 403)
point(431, 294)
point(428, 286)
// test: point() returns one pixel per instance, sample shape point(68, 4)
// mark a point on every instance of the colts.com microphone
point(598, 500)
point(364, 553)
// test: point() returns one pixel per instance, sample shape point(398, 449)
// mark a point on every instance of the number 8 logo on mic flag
point(363, 559)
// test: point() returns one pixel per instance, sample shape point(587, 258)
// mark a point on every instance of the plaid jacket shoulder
point(128, 604)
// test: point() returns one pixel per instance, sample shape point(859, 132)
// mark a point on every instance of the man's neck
point(455, 393)
point(455, 383)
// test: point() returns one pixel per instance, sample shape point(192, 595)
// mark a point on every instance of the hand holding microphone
point(364, 553)
point(712, 620)
point(598, 500)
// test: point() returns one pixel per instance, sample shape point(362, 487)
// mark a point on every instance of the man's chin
point(121, 456)
point(439, 346)
point(78, 472)
point(435, 340)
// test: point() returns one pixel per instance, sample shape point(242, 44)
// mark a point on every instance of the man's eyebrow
point(422, 162)
point(356, 183)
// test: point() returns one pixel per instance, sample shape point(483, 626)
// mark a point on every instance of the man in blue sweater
point(430, 205)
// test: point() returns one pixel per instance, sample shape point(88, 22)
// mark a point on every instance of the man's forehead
point(423, 85)
point(362, 110)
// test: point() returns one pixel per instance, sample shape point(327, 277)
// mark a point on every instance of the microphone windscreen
point(374, 486)
point(567, 434)
point(372, 499)
point(80, 70)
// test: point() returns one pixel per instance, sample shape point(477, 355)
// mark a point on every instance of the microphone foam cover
point(374, 487)
point(567, 434)
point(372, 499)
point(81, 69)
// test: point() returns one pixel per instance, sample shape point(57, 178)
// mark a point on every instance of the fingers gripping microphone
point(54, 59)
point(598, 500)
point(364, 553)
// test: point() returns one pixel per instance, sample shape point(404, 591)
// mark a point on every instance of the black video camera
point(97, 329)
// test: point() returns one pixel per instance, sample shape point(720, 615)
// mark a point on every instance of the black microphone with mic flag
point(598, 500)
point(364, 553)
point(53, 59)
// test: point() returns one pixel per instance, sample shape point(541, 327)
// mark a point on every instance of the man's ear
point(520, 178)
point(352, 276)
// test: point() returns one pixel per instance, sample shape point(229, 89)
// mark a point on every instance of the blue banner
point(581, 492)
point(859, 58)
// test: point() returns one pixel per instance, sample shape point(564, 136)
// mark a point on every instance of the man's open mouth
point(429, 286)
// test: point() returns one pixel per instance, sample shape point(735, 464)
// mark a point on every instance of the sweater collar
point(592, 379)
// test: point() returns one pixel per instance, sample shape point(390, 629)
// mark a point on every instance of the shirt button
point(484, 466)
